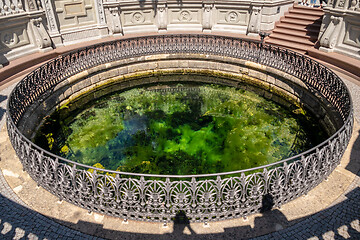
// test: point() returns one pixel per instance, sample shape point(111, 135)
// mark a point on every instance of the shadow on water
point(17, 221)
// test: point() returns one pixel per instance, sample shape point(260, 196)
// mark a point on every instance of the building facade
point(29, 26)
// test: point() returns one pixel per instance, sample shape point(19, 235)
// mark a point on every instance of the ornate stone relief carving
point(9, 39)
point(162, 17)
point(131, 18)
point(14, 37)
point(341, 3)
point(232, 17)
point(345, 4)
point(115, 20)
point(185, 16)
point(330, 36)
point(50, 16)
point(207, 16)
point(255, 20)
point(115, 14)
point(42, 38)
point(100, 11)
point(137, 18)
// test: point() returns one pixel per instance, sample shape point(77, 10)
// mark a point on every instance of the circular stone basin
point(180, 130)
point(64, 84)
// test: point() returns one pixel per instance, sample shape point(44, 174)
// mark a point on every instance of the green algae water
point(180, 130)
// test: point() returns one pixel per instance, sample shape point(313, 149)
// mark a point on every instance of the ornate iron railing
point(203, 197)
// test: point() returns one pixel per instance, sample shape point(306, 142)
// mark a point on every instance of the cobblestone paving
point(339, 221)
point(19, 222)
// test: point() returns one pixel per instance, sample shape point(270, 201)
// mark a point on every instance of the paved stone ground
point(19, 222)
point(339, 221)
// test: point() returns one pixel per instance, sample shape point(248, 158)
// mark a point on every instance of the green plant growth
point(201, 129)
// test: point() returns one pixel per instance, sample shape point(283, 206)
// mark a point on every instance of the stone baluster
point(330, 4)
point(342, 4)
point(354, 5)
point(2, 7)
point(8, 7)
point(32, 5)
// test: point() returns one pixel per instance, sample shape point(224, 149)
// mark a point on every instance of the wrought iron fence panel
point(206, 197)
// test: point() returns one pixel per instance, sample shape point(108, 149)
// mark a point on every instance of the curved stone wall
point(93, 83)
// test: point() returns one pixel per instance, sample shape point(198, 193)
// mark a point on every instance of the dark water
point(181, 130)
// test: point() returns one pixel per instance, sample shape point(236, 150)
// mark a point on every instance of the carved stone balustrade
point(67, 22)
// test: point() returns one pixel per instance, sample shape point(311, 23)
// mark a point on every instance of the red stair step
point(312, 13)
point(299, 33)
point(298, 29)
point(294, 39)
point(307, 9)
point(301, 22)
point(305, 17)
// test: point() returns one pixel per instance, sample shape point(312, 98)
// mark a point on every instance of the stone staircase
point(298, 29)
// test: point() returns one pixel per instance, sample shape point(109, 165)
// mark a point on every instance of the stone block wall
point(28, 26)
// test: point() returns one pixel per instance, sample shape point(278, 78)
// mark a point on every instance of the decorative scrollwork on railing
point(206, 197)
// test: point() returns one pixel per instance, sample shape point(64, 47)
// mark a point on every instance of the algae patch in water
point(180, 130)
